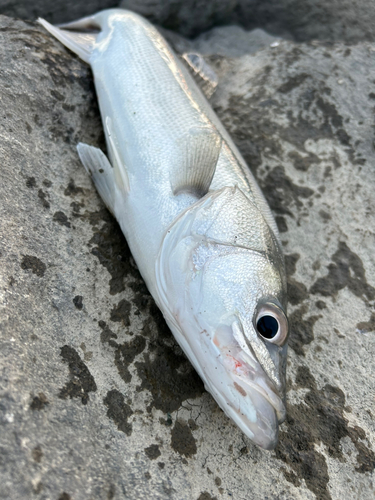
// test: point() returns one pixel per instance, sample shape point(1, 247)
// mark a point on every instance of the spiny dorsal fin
point(79, 43)
point(202, 72)
point(200, 152)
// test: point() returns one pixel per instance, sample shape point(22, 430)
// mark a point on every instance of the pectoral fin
point(120, 172)
point(200, 151)
point(98, 167)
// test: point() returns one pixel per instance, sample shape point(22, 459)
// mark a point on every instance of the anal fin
point(98, 167)
point(200, 150)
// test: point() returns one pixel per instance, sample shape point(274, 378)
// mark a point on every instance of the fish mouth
point(264, 432)
point(244, 390)
point(257, 411)
point(271, 395)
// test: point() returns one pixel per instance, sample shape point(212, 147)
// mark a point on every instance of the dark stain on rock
point(57, 95)
point(72, 189)
point(303, 163)
point(325, 215)
point(77, 301)
point(182, 439)
point(206, 496)
point(153, 451)
point(61, 218)
point(37, 454)
point(302, 330)
point(31, 182)
point(35, 265)
point(320, 304)
point(318, 419)
point(107, 335)
point(169, 377)
point(76, 208)
point(297, 292)
point(291, 262)
point(121, 312)
point(124, 353)
point(292, 83)
point(64, 496)
point(346, 271)
point(281, 224)
point(111, 492)
point(81, 381)
point(47, 183)
point(112, 250)
point(39, 402)
point(43, 198)
point(281, 192)
point(68, 107)
point(367, 326)
point(118, 411)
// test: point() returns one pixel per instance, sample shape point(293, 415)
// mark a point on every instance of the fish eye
point(271, 324)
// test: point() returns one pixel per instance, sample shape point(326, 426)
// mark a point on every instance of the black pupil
point(268, 327)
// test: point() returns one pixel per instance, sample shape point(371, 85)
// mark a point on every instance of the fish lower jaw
point(257, 420)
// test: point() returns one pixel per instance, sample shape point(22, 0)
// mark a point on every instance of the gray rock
point(97, 400)
point(303, 20)
point(55, 11)
point(292, 19)
point(232, 41)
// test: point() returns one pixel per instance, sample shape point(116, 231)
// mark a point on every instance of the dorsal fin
point(200, 151)
point(79, 43)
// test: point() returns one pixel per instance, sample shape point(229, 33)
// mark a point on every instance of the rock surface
point(302, 20)
point(55, 11)
point(294, 19)
point(97, 400)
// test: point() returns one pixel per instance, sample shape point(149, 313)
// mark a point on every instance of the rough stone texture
point(97, 400)
point(55, 11)
point(302, 20)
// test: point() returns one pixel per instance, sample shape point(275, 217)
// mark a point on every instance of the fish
point(197, 224)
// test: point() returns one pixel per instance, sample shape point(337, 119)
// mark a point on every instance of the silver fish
point(197, 224)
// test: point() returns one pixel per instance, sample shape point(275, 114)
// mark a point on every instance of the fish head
point(223, 293)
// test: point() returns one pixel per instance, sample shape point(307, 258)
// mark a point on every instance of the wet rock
point(92, 380)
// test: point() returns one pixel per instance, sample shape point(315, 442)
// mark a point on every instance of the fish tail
point(81, 43)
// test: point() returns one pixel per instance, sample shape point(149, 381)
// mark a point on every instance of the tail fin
point(81, 44)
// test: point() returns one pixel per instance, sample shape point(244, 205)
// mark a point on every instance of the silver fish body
point(195, 220)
